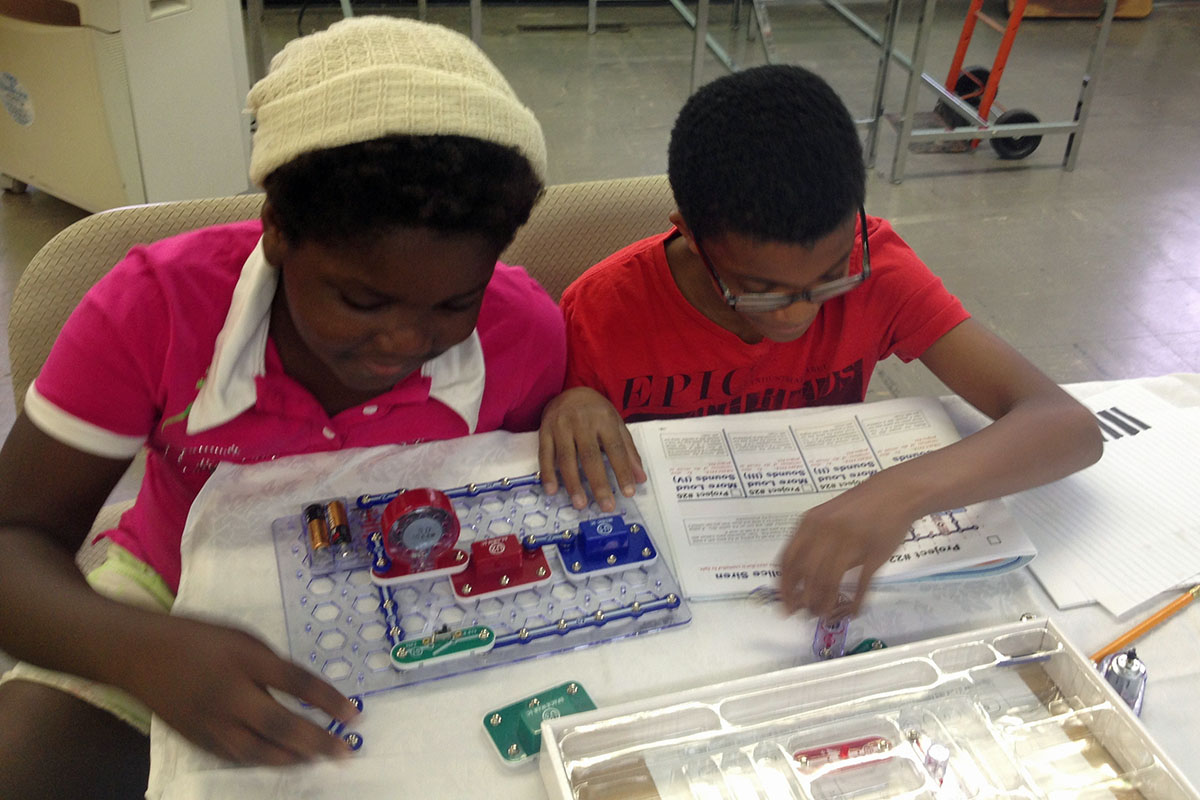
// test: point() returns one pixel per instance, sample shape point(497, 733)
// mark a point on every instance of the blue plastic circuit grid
point(347, 628)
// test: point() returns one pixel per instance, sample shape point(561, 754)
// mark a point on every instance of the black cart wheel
point(969, 86)
point(1014, 147)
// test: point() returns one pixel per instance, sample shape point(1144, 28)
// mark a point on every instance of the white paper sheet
point(1128, 527)
point(732, 488)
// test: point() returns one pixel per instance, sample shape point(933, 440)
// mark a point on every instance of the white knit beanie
point(367, 77)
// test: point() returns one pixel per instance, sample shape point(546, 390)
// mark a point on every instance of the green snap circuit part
point(516, 729)
point(412, 653)
point(866, 646)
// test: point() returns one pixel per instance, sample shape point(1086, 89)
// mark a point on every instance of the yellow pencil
point(1146, 625)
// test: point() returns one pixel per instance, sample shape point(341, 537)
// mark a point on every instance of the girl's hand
point(855, 529)
point(211, 684)
point(579, 428)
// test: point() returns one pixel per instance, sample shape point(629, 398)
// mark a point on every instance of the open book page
point(731, 490)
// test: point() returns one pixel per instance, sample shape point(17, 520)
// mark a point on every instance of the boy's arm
point(1040, 434)
point(209, 683)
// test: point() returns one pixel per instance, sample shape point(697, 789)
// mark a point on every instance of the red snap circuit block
point(499, 566)
point(497, 556)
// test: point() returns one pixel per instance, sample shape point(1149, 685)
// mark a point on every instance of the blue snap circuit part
point(605, 536)
point(605, 544)
point(337, 727)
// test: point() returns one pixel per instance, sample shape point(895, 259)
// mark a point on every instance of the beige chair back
point(577, 224)
point(67, 266)
point(574, 226)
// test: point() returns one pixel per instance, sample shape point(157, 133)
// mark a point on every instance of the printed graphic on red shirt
point(717, 392)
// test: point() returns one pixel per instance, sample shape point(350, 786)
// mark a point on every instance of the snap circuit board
point(381, 591)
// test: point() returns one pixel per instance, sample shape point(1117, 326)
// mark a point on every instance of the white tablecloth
point(427, 740)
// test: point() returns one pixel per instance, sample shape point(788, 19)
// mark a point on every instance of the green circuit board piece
point(866, 646)
point(516, 729)
point(412, 653)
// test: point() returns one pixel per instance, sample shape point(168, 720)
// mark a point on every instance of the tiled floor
point(1093, 273)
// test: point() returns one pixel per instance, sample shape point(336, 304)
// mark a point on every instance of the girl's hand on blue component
point(856, 529)
point(212, 685)
point(579, 428)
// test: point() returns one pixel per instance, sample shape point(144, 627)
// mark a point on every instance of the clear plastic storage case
point(1012, 711)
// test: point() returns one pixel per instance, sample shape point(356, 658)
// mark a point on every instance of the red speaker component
point(420, 528)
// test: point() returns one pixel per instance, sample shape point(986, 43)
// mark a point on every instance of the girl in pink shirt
point(366, 307)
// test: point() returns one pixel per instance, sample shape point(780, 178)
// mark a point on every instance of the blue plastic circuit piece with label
point(604, 544)
point(604, 536)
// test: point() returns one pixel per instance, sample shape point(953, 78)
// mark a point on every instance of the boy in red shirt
point(775, 290)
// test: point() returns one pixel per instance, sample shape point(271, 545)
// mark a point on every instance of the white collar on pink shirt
point(456, 376)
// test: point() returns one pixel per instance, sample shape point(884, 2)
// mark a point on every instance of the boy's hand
point(579, 427)
point(854, 529)
point(211, 684)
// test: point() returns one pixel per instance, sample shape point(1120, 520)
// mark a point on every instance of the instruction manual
point(731, 489)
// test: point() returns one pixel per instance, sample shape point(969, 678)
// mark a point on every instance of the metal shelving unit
point(906, 121)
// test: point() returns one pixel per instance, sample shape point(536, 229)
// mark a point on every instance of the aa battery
point(318, 534)
point(1127, 674)
point(339, 527)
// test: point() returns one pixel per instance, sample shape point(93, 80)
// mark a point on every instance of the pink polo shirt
point(127, 369)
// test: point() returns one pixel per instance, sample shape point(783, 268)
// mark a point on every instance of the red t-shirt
point(633, 337)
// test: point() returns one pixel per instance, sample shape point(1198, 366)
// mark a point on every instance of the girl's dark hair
point(770, 153)
point(452, 184)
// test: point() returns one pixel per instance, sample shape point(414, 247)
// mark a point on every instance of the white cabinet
point(139, 101)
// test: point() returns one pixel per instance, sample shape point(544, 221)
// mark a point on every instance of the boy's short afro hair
point(451, 184)
point(770, 153)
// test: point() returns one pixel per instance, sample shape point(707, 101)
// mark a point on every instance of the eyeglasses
point(759, 302)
